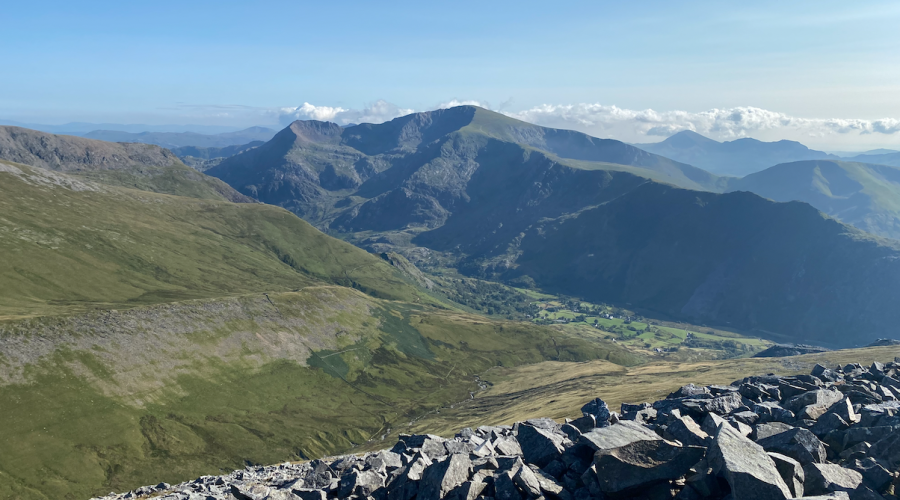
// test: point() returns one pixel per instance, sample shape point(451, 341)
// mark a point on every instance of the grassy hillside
point(72, 245)
point(139, 166)
point(112, 400)
point(864, 195)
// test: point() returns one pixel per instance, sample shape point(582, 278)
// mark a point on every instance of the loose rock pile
point(834, 434)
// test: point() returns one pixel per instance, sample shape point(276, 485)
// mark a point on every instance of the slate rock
point(688, 391)
point(247, 492)
point(508, 446)
point(799, 444)
point(888, 450)
point(505, 488)
point(614, 436)
point(598, 409)
point(763, 431)
point(812, 405)
point(309, 494)
point(360, 483)
point(539, 446)
point(749, 470)
point(687, 431)
point(442, 477)
point(822, 479)
point(527, 482)
point(642, 462)
point(874, 474)
point(791, 471)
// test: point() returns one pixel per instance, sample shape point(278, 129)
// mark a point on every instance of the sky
point(825, 73)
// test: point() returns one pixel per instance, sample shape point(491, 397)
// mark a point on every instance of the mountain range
point(864, 195)
point(156, 330)
point(563, 211)
point(732, 158)
point(181, 139)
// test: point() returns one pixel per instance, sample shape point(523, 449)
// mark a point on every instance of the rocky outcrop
point(825, 446)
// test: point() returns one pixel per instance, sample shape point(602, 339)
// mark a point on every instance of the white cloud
point(378, 112)
point(722, 124)
point(646, 125)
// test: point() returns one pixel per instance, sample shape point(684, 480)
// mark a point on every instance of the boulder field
point(833, 434)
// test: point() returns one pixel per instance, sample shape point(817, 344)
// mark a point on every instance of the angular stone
point(687, 431)
point(505, 487)
point(539, 446)
point(615, 436)
point(688, 391)
point(360, 483)
point(749, 470)
point(598, 409)
point(584, 423)
point(549, 485)
point(813, 404)
point(309, 494)
point(888, 451)
point(822, 479)
point(442, 477)
point(470, 490)
point(642, 462)
point(873, 473)
point(791, 471)
point(570, 431)
point(527, 482)
point(508, 446)
point(763, 431)
point(799, 444)
point(278, 495)
point(248, 492)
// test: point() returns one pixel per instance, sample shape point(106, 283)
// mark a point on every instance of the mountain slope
point(145, 335)
point(891, 158)
point(727, 259)
point(139, 166)
point(863, 195)
point(473, 186)
point(182, 139)
point(73, 244)
point(734, 158)
point(420, 167)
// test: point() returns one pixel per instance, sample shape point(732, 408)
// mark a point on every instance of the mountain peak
point(687, 139)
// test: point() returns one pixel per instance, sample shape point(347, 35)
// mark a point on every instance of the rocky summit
point(833, 434)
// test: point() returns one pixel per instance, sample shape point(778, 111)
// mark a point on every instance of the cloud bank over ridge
point(647, 125)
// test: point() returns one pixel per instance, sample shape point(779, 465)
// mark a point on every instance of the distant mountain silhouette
point(182, 139)
point(733, 158)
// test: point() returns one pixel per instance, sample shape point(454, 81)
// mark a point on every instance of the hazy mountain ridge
point(182, 139)
point(423, 161)
point(140, 166)
point(864, 195)
point(732, 158)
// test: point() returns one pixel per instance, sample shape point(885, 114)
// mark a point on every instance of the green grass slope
point(70, 245)
point(112, 400)
point(864, 195)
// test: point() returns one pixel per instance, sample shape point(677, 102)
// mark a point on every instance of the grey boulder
point(748, 469)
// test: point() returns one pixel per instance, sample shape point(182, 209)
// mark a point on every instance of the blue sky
point(239, 63)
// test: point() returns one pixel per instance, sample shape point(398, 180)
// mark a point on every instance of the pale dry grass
point(558, 390)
